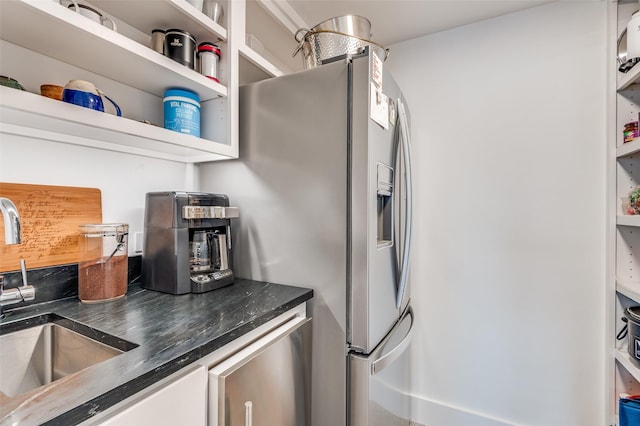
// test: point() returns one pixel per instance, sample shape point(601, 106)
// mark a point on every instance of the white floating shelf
point(164, 14)
point(77, 40)
point(628, 148)
point(258, 60)
point(630, 289)
point(631, 77)
point(30, 115)
point(628, 220)
point(622, 356)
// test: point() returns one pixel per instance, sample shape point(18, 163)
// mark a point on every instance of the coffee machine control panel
point(212, 276)
point(209, 212)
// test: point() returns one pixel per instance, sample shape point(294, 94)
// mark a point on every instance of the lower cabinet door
point(267, 383)
point(179, 400)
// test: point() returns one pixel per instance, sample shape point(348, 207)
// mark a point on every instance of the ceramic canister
point(182, 111)
point(180, 46)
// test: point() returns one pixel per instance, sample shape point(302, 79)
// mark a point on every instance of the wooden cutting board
point(50, 216)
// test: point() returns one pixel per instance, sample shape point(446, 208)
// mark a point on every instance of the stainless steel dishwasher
point(267, 382)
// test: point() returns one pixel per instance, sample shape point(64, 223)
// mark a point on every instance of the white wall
point(508, 268)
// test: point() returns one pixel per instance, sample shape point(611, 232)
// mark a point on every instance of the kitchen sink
point(38, 351)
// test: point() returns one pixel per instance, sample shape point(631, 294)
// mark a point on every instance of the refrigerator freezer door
point(379, 382)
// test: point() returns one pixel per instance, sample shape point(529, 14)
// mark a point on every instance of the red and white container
point(208, 60)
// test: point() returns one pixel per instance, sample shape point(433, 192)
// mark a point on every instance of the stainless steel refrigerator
point(324, 184)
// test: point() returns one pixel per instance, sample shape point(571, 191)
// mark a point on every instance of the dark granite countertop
point(171, 332)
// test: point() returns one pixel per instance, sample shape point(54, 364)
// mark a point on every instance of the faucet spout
point(11, 221)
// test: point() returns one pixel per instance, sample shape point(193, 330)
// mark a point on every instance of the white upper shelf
point(631, 77)
point(628, 220)
point(164, 14)
point(77, 40)
point(630, 289)
point(628, 148)
point(31, 115)
point(259, 61)
point(622, 356)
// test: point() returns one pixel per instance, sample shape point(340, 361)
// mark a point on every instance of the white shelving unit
point(79, 41)
point(49, 28)
point(624, 232)
point(28, 114)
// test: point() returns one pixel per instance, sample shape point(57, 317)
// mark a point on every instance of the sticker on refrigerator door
point(379, 107)
point(393, 113)
point(376, 71)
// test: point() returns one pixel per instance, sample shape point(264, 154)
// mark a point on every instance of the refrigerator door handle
point(387, 359)
point(406, 157)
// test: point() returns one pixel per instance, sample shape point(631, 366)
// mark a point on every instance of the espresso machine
point(187, 242)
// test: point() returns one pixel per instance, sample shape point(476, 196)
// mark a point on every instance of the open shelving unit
point(28, 114)
point(75, 40)
point(623, 233)
point(103, 51)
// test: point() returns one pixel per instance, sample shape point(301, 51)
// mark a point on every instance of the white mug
point(90, 12)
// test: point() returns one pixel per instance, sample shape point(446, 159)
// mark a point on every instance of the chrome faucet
point(11, 221)
point(12, 235)
point(24, 293)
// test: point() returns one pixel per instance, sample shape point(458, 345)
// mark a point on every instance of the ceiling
point(393, 21)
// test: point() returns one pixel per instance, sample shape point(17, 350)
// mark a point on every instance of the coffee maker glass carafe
point(208, 251)
point(201, 251)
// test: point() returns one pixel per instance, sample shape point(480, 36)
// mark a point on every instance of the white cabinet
point(623, 233)
point(124, 57)
point(180, 399)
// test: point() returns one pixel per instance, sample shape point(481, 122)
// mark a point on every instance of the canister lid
point(182, 93)
point(208, 47)
point(181, 32)
point(633, 313)
point(104, 229)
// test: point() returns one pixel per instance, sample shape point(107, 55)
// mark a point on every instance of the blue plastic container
point(182, 111)
point(629, 411)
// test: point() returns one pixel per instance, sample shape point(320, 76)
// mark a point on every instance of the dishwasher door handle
point(248, 413)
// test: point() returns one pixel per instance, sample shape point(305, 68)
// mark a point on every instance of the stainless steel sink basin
point(41, 350)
